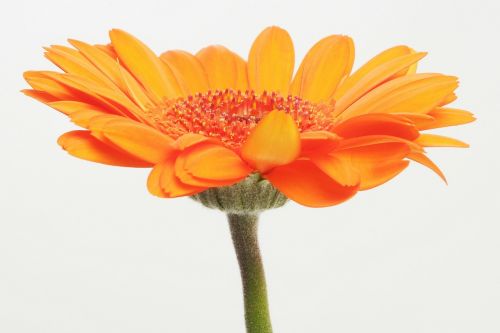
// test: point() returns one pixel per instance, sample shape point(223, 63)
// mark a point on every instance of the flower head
point(212, 119)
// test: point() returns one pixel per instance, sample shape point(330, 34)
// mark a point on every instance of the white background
point(85, 248)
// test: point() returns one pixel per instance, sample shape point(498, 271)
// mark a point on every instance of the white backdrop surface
point(84, 248)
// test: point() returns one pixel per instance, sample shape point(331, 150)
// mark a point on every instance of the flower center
point(230, 115)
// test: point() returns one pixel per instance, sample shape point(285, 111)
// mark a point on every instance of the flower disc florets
point(230, 115)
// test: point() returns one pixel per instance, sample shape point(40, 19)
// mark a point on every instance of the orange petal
point(306, 184)
point(85, 91)
point(76, 64)
point(191, 139)
point(116, 73)
point(416, 118)
point(69, 107)
point(443, 117)
point(433, 140)
point(323, 68)
point(135, 91)
point(187, 70)
point(317, 142)
point(106, 64)
point(424, 160)
point(135, 138)
point(83, 118)
point(162, 181)
point(373, 175)
point(376, 164)
point(108, 49)
point(39, 81)
point(67, 50)
point(113, 98)
point(41, 96)
point(157, 78)
point(371, 140)
point(271, 61)
point(338, 168)
point(83, 145)
point(448, 99)
point(418, 93)
point(376, 153)
point(358, 85)
point(241, 73)
point(274, 141)
point(119, 76)
point(377, 124)
point(411, 70)
point(210, 165)
point(224, 69)
point(153, 182)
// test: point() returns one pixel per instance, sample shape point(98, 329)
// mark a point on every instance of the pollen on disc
point(230, 115)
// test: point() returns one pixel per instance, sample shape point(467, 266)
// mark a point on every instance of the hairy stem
point(244, 234)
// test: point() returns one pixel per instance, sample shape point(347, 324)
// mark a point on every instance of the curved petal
point(210, 165)
point(317, 142)
point(108, 49)
point(69, 107)
point(163, 183)
point(306, 184)
point(388, 64)
point(271, 61)
point(382, 58)
point(433, 140)
point(371, 140)
point(425, 161)
point(356, 86)
point(448, 99)
point(135, 138)
point(118, 75)
point(137, 94)
point(106, 64)
point(418, 93)
point(86, 91)
point(153, 182)
point(224, 69)
point(323, 68)
point(376, 164)
point(188, 71)
point(41, 96)
point(377, 124)
point(191, 139)
point(376, 153)
point(338, 168)
point(83, 145)
point(443, 117)
point(145, 65)
point(85, 117)
point(74, 63)
point(373, 175)
point(114, 98)
point(274, 141)
point(40, 81)
point(416, 118)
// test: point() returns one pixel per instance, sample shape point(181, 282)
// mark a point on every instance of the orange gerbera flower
point(243, 136)
point(210, 120)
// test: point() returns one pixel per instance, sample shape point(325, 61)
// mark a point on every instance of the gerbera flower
point(211, 119)
point(243, 136)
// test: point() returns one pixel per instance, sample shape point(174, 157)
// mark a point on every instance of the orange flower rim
point(212, 119)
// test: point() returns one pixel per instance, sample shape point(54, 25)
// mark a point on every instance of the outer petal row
point(381, 107)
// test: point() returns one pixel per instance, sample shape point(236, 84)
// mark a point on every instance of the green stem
point(244, 233)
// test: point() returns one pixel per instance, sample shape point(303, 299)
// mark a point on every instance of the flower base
point(250, 196)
